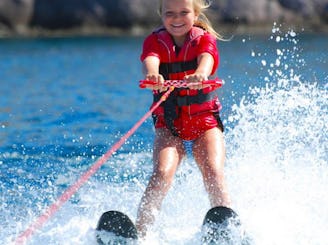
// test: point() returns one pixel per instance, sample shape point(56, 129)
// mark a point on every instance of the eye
point(184, 13)
point(168, 14)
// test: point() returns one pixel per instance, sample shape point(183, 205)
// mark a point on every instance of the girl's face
point(178, 17)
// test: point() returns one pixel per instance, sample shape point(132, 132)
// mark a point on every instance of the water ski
point(222, 226)
point(115, 227)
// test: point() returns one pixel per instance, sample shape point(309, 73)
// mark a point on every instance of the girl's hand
point(204, 69)
point(158, 79)
point(195, 80)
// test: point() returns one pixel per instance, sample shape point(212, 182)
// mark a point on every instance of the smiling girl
point(183, 49)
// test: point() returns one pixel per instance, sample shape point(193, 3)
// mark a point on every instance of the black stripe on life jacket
point(165, 69)
point(187, 99)
point(200, 98)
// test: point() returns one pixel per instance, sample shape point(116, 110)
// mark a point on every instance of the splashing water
point(277, 156)
point(277, 164)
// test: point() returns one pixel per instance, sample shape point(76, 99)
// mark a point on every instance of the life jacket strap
point(167, 69)
point(200, 98)
point(171, 113)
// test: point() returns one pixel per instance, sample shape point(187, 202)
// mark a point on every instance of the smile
point(177, 25)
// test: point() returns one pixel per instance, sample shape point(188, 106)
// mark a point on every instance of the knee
point(162, 179)
point(213, 172)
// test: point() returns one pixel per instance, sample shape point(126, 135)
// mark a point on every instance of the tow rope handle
point(181, 83)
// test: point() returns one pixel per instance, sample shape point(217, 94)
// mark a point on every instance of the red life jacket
point(175, 65)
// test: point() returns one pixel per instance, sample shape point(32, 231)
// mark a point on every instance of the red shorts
point(191, 127)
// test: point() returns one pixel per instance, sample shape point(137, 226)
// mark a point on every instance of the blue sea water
point(66, 101)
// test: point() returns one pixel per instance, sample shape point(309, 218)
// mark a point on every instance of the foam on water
point(277, 155)
point(276, 170)
point(277, 164)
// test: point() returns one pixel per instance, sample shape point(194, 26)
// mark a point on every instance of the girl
point(184, 48)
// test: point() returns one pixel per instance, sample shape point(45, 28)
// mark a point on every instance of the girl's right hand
point(158, 79)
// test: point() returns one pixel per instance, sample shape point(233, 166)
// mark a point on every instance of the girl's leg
point(209, 153)
point(167, 154)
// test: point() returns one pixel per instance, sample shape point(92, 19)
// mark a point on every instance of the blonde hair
point(202, 21)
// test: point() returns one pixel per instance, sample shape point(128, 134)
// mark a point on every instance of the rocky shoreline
point(26, 18)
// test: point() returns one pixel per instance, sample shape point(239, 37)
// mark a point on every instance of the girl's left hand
point(195, 80)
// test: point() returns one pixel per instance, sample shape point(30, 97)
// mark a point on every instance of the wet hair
point(202, 21)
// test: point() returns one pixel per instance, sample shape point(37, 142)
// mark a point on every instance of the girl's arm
point(151, 71)
point(205, 64)
point(203, 71)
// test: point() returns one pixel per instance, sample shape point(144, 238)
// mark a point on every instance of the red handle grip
point(144, 83)
point(181, 83)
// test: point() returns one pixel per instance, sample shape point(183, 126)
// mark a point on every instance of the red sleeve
point(150, 47)
point(208, 44)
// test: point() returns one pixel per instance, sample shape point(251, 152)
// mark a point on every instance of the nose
point(175, 16)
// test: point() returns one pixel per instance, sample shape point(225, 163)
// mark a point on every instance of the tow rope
point(51, 210)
